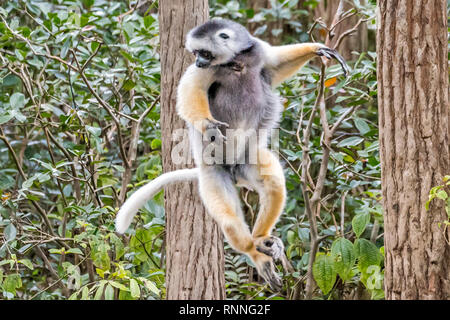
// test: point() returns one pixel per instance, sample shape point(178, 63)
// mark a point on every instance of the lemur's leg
point(221, 199)
point(268, 179)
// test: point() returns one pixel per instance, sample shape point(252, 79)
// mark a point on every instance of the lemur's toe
point(271, 277)
point(271, 246)
point(333, 54)
point(269, 250)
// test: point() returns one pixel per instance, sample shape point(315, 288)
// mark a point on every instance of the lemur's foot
point(330, 54)
point(213, 132)
point(266, 269)
point(271, 246)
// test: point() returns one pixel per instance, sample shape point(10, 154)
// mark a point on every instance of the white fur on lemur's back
point(148, 191)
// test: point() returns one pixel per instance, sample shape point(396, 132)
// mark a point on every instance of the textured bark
point(414, 145)
point(195, 256)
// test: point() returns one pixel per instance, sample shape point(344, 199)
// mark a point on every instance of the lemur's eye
point(224, 36)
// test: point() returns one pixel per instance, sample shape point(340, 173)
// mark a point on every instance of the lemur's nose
point(202, 62)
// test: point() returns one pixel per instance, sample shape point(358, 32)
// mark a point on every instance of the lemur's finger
point(219, 123)
point(215, 135)
point(286, 264)
point(269, 274)
point(267, 252)
point(330, 54)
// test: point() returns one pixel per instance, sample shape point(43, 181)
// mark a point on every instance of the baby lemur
point(226, 96)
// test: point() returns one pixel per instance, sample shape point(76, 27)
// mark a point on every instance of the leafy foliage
point(352, 187)
point(79, 120)
point(441, 192)
point(60, 149)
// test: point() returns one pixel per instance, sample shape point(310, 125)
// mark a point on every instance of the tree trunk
point(414, 145)
point(195, 253)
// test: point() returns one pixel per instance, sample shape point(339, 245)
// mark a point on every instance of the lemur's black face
point(203, 58)
point(217, 42)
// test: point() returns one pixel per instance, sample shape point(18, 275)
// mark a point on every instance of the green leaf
point(156, 144)
point(73, 296)
point(27, 263)
point(56, 251)
point(377, 294)
point(10, 232)
point(74, 251)
point(99, 254)
point(128, 85)
point(290, 236)
point(94, 45)
point(128, 27)
point(148, 20)
point(361, 125)
point(442, 195)
point(118, 245)
point(350, 142)
point(10, 261)
point(109, 292)
point(3, 12)
point(125, 295)
point(95, 131)
point(100, 272)
point(344, 256)
point(65, 47)
point(5, 118)
point(134, 289)
point(85, 293)
point(99, 292)
point(360, 222)
point(118, 285)
point(12, 282)
point(17, 100)
point(127, 56)
point(324, 273)
point(367, 254)
point(150, 285)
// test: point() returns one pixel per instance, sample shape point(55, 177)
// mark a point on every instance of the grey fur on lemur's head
point(217, 42)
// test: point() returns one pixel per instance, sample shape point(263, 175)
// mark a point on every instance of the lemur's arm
point(192, 99)
point(285, 61)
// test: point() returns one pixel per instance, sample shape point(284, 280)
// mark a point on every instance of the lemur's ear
point(330, 54)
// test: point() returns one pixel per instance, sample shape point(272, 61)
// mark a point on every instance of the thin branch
point(344, 195)
point(345, 16)
point(48, 55)
point(105, 106)
point(348, 32)
point(309, 206)
point(41, 211)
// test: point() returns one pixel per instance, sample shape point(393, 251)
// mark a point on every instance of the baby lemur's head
point(217, 42)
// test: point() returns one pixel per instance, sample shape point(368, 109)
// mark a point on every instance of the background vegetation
point(79, 127)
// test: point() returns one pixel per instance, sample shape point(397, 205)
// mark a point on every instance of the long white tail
point(145, 193)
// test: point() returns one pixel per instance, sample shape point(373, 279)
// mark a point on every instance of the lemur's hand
point(330, 54)
point(212, 131)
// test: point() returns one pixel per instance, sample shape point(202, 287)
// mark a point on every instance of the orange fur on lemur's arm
point(192, 99)
point(285, 61)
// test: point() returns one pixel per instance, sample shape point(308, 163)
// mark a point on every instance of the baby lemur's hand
point(212, 131)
